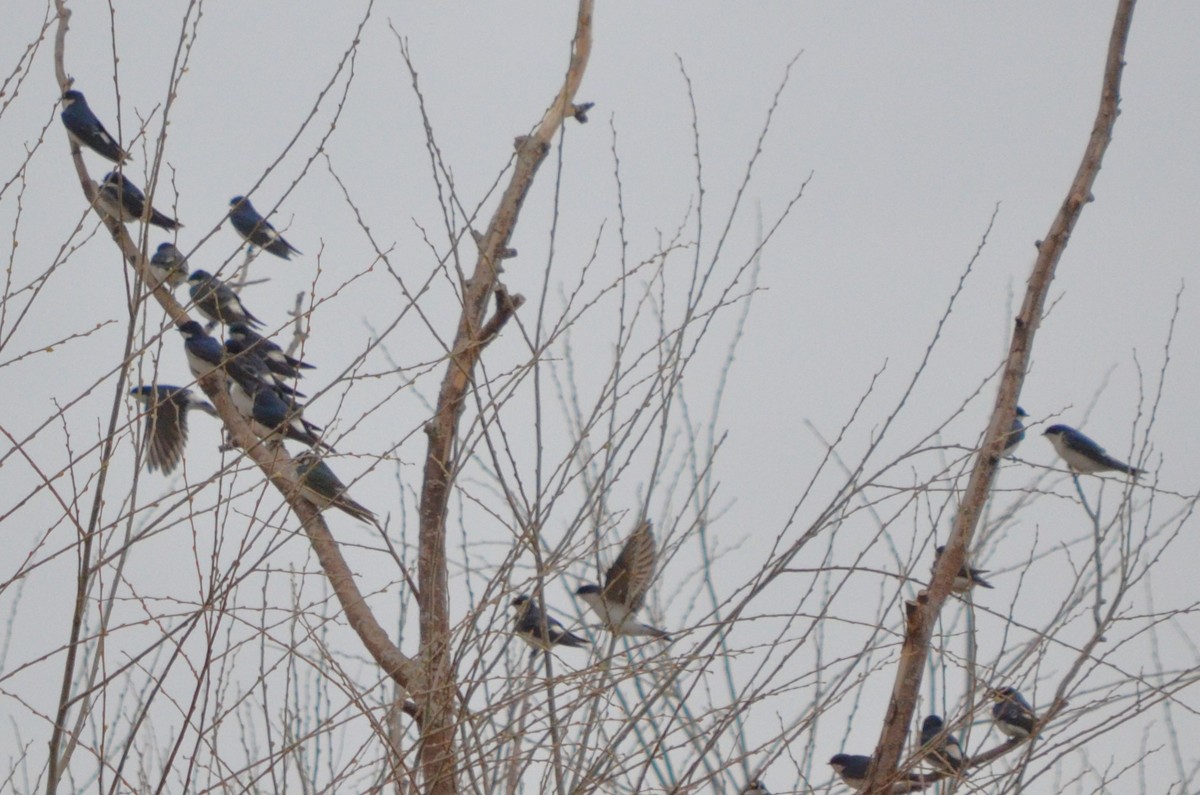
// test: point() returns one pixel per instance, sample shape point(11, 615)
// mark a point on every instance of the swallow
point(539, 630)
point(1012, 713)
point(942, 749)
point(854, 769)
point(323, 488)
point(217, 301)
point(1082, 455)
point(166, 422)
point(756, 787)
point(967, 577)
point(268, 413)
point(204, 353)
point(277, 360)
point(625, 585)
point(1016, 432)
point(250, 360)
point(123, 201)
point(169, 265)
point(257, 230)
point(84, 129)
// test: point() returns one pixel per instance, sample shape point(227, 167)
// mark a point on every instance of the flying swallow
point(1012, 713)
point(204, 353)
point(249, 359)
point(257, 230)
point(123, 201)
point(84, 129)
point(217, 301)
point(268, 413)
point(539, 630)
point(1082, 454)
point(942, 749)
point(854, 769)
point(277, 360)
point(1016, 432)
point(625, 587)
point(323, 488)
point(966, 578)
point(169, 264)
point(166, 422)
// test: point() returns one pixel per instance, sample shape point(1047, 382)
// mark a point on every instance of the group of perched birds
point(261, 377)
point(259, 373)
point(1011, 713)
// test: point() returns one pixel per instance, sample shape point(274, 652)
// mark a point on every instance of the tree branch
point(436, 694)
point(922, 615)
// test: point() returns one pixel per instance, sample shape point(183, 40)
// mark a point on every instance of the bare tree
point(285, 649)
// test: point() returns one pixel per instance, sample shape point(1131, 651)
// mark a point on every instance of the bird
point(257, 230)
point(123, 201)
point(249, 359)
point(277, 360)
point(204, 353)
point(84, 129)
point(169, 265)
point(942, 749)
point(268, 413)
point(323, 488)
point(1016, 432)
point(1082, 455)
point(539, 630)
point(967, 577)
point(217, 301)
point(166, 422)
point(756, 787)
point(854, 769)
point(1012, 713)
point(625, 585)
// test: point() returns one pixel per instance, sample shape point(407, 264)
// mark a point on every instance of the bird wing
point(629, 578)
point(166, 434)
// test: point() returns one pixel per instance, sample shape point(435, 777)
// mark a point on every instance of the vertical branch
point(436, 691)
point(921, 615)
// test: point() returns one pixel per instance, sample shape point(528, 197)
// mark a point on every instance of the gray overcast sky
point(914, 122)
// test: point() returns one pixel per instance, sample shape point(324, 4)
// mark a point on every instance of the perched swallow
point(166, 422)
point(1017, 432)
point(84, 129)
point(1082, 454)
point(257, 230)
point(756, 787)
point(854, 769)
point(250, 360)
point(625, 587)
point(123, 201)
point(169, 265)
point(323, 488)
point(268, 413)
point(942, 750)
point(539, 630)
point(967, 577)
point(1012, 713)
point(279, 362)
point(217, 301)
point(204, 353)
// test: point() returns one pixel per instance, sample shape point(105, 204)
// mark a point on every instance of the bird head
point(1002, 694)
point(191, 329)
point(1021, 412)
point(588, 590)
point(933, 724)
point(71, 96)
point(1055, 430)
point(839, 762)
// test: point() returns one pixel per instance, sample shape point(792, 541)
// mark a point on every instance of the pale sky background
point(914, 123)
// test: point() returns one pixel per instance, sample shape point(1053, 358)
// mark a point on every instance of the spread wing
point(166, 434)
point(629, 578)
